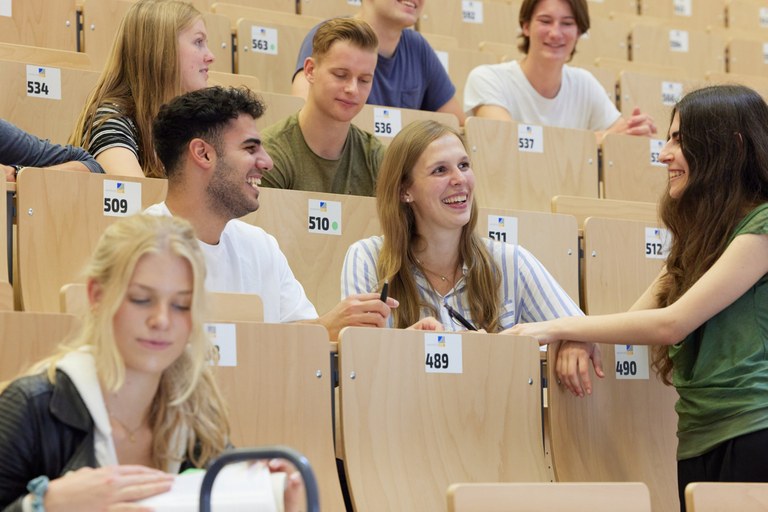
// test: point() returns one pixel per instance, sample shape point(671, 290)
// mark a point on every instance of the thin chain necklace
point(441, 276)
point(131, 432)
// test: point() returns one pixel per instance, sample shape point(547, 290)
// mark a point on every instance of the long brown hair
point(398, 225)
point(141, 74)
point(724, 139)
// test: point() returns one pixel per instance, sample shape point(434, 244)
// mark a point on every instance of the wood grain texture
point(726, 497)
point(62, 221)
point(625, 431)
point(408, 434)
point(43, 117)
point(628, 174)
point(546, 497)
point(584, 207)
point(41, 23)
point(508, 178)
point(275, 396)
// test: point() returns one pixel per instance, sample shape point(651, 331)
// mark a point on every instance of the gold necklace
point(442, 277)
point(131, 433)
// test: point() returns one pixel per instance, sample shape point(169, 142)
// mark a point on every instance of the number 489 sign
point(442, 353)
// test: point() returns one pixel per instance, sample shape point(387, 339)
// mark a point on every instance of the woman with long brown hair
point(707, 312)
point(160, 51)
point(434, 262)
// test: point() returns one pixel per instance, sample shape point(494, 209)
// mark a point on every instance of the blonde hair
point(187, 394)
point(141, 74)
point(398, 225)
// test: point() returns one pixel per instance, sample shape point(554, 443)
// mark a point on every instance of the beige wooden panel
point(262, 15)
point(5, 234)
point(499, 22)
point(316, 259)
point(285, 6)
point(607, 38)
point(607, 77)
point(47, 118)
point(101, 19)
point(409, 434)
point(652, 43)
point(748, 56)
point(758, 83)
point(6, 296)
point(52, 24)
point(222, 307)
point(618, 65)
point(44, 56)
point(365, 119)
point(703, 13)
point(327, 8)
point(626, 429)
point(233, 80)
point(508, 178)
point(503, 51)
point(279, 106)
point(628, 173)
point(583, 207)
point(219, 31)
point(553, 239)
point(26, 338)
point(609, 7)
point(280, 393)
point(546, 497)
point(726, 497)
point(63, 216)
point(655, 94)
point(749, 15)
point(460, 62)
point(275, 71)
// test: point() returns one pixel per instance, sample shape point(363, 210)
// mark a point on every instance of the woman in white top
point(541, 88)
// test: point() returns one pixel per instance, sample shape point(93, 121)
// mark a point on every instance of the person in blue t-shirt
point(408, 72)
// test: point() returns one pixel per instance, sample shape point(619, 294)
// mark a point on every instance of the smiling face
point(341, 80)
point(153, 323)
point(233, 189)
point(441, 186)
point(672, 155)
point(399, 13)
point(194, 56)
point(553, 31)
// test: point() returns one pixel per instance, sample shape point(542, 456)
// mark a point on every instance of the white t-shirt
point(248, 260)
point(581, 102)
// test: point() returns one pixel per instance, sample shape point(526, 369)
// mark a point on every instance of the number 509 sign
point(121, 198)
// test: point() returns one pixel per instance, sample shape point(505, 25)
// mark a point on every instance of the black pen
point(456, 316)
point(384, 290)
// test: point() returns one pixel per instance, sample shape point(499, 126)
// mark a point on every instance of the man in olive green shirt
point(318, 148)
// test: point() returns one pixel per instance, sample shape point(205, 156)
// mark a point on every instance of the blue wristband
point(37, 487)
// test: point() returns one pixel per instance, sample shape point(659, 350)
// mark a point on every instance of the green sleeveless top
point(721, 369)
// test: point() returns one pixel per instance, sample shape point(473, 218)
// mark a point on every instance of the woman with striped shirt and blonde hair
point(429, 253)
point(160, 51)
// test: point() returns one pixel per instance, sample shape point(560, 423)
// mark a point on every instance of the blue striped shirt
point(528, 292)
